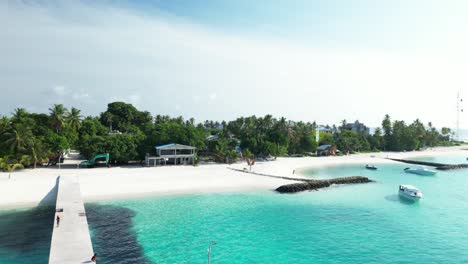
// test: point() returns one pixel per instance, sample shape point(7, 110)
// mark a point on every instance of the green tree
point(38, 152)
point(418, 132)
point(326, 139)
point(376, 140)
point(5, 127)
point(9, 165)
point(387, 132)
point(446, 132)
point(231, 156)
point(347, 141)
point(124, 117)
point(58, 114)
point(19, 115)
point(19, 139)
point(74, 119)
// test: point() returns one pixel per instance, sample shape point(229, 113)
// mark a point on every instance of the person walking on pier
point(58, 220)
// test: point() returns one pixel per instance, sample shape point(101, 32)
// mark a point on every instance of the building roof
point(212, 137)
point(326, 129)
point(324, 147)
point(174, 146)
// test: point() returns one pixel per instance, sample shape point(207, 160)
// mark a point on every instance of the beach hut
point(326, 150)
point(173, 153)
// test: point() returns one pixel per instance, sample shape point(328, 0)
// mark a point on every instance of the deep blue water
point(25, 235)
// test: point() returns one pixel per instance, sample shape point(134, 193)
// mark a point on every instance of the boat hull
point(409, 196)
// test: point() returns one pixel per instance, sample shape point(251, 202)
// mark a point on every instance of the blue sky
point(305, 60)
point(386, 24)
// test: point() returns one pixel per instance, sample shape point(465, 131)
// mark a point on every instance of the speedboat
point(420, 171)
point(371, 167)
point(410, 192)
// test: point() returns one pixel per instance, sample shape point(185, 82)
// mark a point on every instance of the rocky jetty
point(272, 176)
point(453, 167)
point(417, 162)
point(317, 184)
point(438, 166)
point(309, 184)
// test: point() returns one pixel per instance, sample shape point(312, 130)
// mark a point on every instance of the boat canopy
point(409, 187)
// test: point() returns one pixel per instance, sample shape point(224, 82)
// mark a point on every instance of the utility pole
point(459, 110)
point(317, 134)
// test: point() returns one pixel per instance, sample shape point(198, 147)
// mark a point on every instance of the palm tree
point(58, 114)
point(343, 124)
point(74, 119)
point(19, 138)
point(9, 166)
point(249, 158)
point(19, 114)
point(4, 125)
point(37, 152)
point(108, 118)
point(291, 132)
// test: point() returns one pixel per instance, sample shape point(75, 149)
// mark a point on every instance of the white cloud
point(159, 63)
point(59, 90)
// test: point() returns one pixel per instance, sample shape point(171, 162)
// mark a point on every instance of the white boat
point(420, 171)
point(371, 167)
point(410, 192)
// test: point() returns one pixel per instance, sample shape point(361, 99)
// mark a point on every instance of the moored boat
point(410, 192)
point(371, 167)
point(420, 171)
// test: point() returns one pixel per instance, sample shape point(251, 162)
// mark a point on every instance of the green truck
point(98, 159)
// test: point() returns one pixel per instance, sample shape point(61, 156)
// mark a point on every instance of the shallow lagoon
point(364, 223)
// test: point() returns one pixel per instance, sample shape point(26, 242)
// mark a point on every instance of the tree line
point(128, 134)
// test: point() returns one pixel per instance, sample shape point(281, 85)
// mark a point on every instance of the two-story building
point(173, 153)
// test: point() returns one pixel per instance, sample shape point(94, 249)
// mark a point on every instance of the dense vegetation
point(28, 139)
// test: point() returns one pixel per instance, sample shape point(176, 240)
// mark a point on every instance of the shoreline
point(32, 187)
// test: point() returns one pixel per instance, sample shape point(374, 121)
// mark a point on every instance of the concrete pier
point(71, 241)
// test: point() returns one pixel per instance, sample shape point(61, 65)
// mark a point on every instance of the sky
point(307, 60)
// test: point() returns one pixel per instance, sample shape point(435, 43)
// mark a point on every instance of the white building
point(176, 154)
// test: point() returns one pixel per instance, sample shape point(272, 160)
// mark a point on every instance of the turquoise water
point(365, 223)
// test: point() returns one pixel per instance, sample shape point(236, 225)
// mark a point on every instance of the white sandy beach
point(28, 187)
